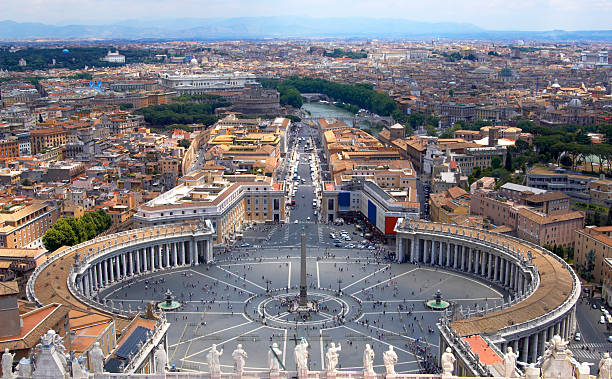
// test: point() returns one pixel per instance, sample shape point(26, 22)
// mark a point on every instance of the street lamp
point(339, 290)
point(267, 285)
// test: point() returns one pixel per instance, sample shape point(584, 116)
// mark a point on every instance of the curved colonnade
point(93, 265)
point(544, 289)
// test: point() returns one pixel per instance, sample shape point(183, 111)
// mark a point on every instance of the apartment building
point(536, 215)
point(23, 222)
point(600, 191)
point(543, 229)
point(597, 240)
point(9, 148)
point(557, 179)
point(43, 139)
point(446, 206)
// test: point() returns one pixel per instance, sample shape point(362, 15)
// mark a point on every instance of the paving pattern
point(243, 299)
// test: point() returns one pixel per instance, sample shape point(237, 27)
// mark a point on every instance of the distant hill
point(278, 27)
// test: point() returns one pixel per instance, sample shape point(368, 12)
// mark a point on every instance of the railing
point(200, 374)
point(531, 269)
point(178, 231)
point(565, 307)
point(114, 241)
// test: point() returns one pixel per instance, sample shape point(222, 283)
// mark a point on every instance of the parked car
point(578, 337)
point(602, 320)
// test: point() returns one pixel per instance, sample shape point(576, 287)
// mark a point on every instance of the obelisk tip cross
point(303, 295)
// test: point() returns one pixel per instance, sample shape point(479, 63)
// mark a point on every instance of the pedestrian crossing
point(595, 352)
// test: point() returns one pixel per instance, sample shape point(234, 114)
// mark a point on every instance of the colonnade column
point(440, 255)
point(413, 245)
point(182, 253)
point(456, 255)
point(490, 268)
point(175, 253)
point(209, 250)
point(138, 261)
point(91, 282)
point(534, 347)
point(483, 263)
point(507, 273)
point(98, 273)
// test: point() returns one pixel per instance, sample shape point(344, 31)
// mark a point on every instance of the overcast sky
point(489, 14)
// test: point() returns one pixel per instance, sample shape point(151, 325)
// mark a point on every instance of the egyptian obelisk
point(303, 295)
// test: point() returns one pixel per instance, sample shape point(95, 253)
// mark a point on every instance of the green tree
point(415, 120)
point(566, 161)
point(431, 130)
point(184, 143)
point(508, 164)
point(496, 162)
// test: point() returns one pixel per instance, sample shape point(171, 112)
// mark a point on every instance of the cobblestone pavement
point(380, 303)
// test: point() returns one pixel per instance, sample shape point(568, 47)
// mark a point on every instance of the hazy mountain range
point(278, 27)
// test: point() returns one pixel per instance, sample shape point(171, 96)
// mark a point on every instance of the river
point(321, 110)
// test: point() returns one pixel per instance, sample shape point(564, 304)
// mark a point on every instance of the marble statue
point(300, 354)
point(214, 367)
point(532, 372)
point(556, 361)
point(274, 355)
point(161, 359)
point(77, 370)
point(605, 367)
point(510, 363)
point(331, 357)
point(368, 360)
point(239, 356)
point(448, 362)
point(390, 359)
point(7, 364)
point(24, 368)
point(96, 356)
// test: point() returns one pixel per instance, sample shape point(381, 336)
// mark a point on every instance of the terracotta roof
point(479, 346)
point(35, 324)
point(548, 196)
point(548, 219)
point(456, 192)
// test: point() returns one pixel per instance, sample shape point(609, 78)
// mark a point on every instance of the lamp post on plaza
point(268, 282)
point(339, 290)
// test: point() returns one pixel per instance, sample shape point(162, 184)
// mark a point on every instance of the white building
point(211, 82)
point(114, 57)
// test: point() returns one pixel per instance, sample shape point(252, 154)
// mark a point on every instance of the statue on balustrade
point(239, 356)
point(161, 359)
point(96, 356)
point(300, 354)
point(605, 367)
point(331, 357)
point(556, 362)
point(7, 364)
point(368, 360)
point(510, 360)
point(448, 362)
point(274, 355)
point(214, 367)
point(390, 359)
